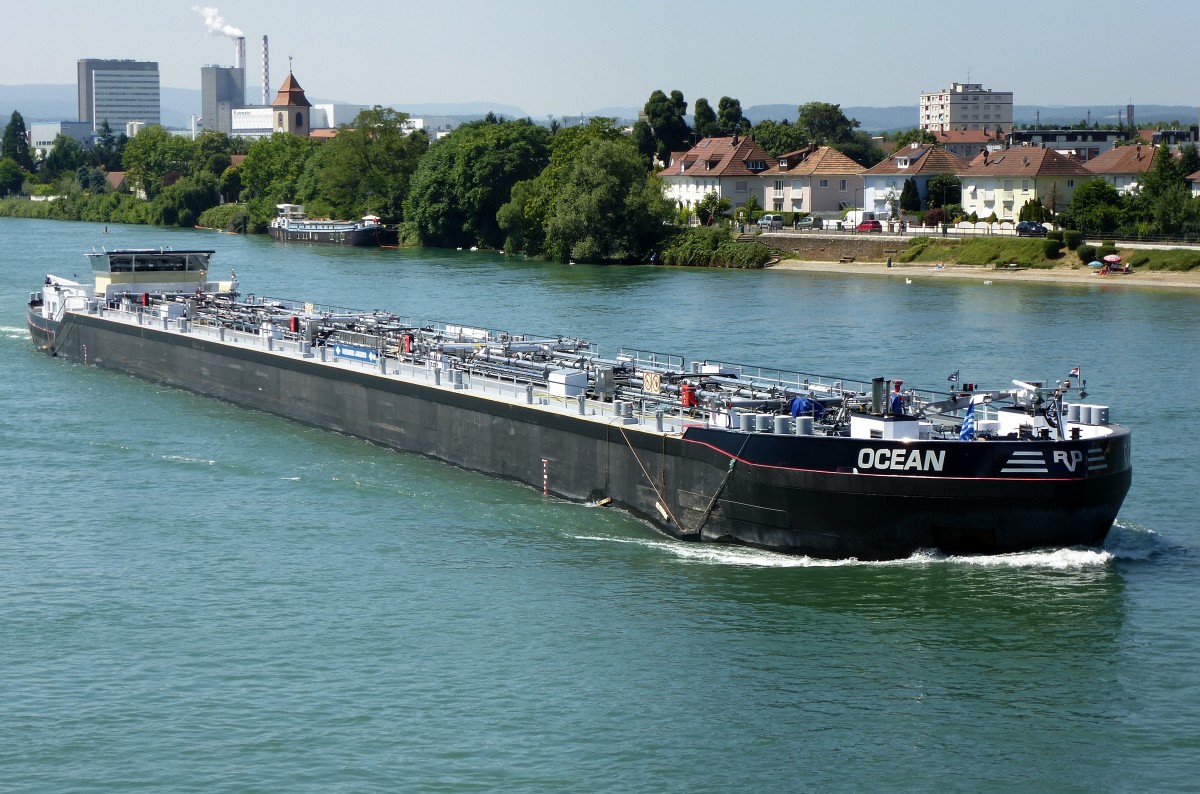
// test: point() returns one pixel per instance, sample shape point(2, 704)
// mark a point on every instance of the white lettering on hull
point(901, 459)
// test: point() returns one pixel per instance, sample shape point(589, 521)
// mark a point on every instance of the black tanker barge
point(705, 450)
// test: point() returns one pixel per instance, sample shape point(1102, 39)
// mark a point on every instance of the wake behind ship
point(705, 450)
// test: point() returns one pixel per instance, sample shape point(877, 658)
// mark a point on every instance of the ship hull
point(364, 238)
point(816, 495)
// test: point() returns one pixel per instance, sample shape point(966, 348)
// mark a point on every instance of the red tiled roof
point(1123, 160)
point(1194, 177)
point(1025, 161)
point(115, 179)
point(291, 95)
point(966, 136)
point(929, 160)
point(716, 157)
point(815, 160)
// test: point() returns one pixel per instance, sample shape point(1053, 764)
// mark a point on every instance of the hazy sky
point(562, 57)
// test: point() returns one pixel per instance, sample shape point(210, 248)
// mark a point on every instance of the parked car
point(770, 222)
point(869, 226)
point(1031, 229)
point(810, 222)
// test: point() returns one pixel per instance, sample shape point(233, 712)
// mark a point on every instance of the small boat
point(292, 224)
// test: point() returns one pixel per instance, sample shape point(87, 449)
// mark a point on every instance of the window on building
point(1070, 183)
point(823, 183)
point(842, 186)
point(739, 187)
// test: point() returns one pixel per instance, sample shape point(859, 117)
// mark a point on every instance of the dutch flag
point(968, 426)
point(1074, 373)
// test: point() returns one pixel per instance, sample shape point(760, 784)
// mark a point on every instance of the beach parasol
point(1112, 259)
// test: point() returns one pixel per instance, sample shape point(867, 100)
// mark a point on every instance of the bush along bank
point(712, 247)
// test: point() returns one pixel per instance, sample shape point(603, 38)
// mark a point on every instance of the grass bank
point(1030, 252)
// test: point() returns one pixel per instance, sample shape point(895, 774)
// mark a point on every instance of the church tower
point(290, 110)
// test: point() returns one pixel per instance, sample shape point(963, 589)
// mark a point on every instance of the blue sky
point(561, 57)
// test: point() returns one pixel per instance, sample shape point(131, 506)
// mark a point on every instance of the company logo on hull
point(901, 459)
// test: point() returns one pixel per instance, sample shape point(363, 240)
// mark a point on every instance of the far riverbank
point(1061, 275)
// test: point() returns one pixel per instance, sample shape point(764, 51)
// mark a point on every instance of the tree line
point(584, 192)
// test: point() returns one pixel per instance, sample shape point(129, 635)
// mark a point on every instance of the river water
point(196, 597)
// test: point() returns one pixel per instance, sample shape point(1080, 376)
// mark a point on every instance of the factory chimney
point(239, 52)
point(266, 87)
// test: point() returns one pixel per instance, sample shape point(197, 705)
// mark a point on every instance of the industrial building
point(119, 92)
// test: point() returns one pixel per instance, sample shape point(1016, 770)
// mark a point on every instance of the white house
point(730, 167)
point(884, 181)
point(1002, 182)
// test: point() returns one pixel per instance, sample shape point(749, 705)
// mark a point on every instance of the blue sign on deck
point(357, 353)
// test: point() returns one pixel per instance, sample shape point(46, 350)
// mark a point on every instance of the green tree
point(274, 173)
point(65, 156)
point(643, 139)
point(609, 208)
point(1096, 208)
point(711, 206)
point(915, 135)
point(523, 218)
point(910, 197)
point(1189, 160)
point(705, 122)
point(862, 149)
point(181, 203)
point(665, 115)
point(15, 145)
point(778, 137)
point(464, 179)
point(825, 124)
point(90, 179)
point(152, 154)
point(370, 163)
point(942, 190)
point(12, 176)
point(109, 148)
point(1032, 210)
point(730, 120)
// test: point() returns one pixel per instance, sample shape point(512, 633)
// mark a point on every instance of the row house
point(1125, 167)
point(1002, 182)
point(813, 179)
point(884, 181)
point(730, 167)
point(1194, 181)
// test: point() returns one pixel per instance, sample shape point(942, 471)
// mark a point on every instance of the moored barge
point(292, 224)
point(705, 450)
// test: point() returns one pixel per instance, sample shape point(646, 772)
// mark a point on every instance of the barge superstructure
point(705, 450)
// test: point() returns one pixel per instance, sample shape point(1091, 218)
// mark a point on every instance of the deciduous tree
point(464, 179)
point(609, 208)
point(825, 124)
point(370, 163)
point(665, 114)
point(704, 122)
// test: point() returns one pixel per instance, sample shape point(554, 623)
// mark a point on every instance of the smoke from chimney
point(216, 24)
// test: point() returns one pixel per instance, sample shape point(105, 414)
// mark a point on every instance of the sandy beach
point(1064, 275)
